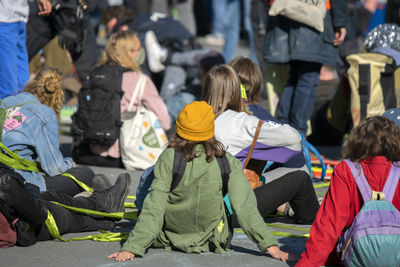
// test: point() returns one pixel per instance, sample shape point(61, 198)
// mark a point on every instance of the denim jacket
point(31, 130)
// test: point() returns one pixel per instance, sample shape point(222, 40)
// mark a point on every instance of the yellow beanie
point(196, 122)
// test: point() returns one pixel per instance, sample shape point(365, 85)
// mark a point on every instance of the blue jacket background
point(36, 138)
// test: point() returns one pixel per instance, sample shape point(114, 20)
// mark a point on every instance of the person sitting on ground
point(279, 143)
point(124, 49)
point(189, 91)
point(165, 221)
point(30, 129)
point(169, 31)
point(182, 69)
point(183, 74)
point(28, 211)
point(375, 145)
point(251, 78)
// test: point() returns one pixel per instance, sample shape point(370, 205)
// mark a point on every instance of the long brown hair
point(47, 87)
point(250, 76)
point(221, 89)
point(117, 50)
point(212, 147)
point(374, 136)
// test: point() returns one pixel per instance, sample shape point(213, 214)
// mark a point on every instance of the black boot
point(116, 195)
point(101, 182)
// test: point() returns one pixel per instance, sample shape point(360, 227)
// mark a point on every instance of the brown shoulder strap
point(260, 122)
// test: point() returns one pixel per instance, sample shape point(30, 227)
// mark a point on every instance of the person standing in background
point(305, 50)
point(14, 70)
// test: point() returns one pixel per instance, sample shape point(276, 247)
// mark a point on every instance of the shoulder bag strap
point(137, 91)
point(392, 181)
point(178, 169)
point(260, 122)
point(225, 171)
point(361, 181)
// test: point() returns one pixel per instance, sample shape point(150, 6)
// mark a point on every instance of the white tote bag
point(309, 12)
point(142, 139)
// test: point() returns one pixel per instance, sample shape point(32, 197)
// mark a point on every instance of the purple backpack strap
point(361, 181)
point(392, 181)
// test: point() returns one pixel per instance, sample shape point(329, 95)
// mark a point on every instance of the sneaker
point(101, 182)
point(212, 40)
point(116, 195)
point(286, 209)
point(154, 52)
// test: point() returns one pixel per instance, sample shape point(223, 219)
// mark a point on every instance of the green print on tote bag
point(142, 139)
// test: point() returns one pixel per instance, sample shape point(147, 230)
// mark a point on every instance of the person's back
point(191, 217)
point(195, 208)
point(20, 136)
point(123, 49)
point(375, 146)
point(31, 128)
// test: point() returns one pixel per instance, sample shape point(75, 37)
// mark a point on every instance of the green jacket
point(191, 217)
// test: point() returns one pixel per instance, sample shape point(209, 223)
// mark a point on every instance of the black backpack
point(98, 118)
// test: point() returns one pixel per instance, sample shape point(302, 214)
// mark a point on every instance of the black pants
point(83, 155)
point(295, 188)
point(71, 222)
point(66, 185)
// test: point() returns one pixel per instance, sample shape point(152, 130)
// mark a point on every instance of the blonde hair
point(221, 89)
point(47, 87)
point(250, 76)
point(117, 50)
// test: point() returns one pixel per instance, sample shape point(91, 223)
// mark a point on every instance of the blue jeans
point(231, 23)
point(14, 69)
point(249, 29)
point(231, 26)
point(218, 9)
point(297, 101)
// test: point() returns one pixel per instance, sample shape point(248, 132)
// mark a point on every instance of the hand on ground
point(278, 254)
point(122, 256)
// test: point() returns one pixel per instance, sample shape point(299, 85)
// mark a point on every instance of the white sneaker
point(155, 53)
point(212, 40)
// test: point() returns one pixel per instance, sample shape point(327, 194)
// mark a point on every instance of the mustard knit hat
point(196, 122)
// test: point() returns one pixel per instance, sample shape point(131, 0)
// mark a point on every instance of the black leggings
point(295, 188)
point(71, 222)
point(64, 184)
